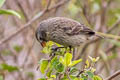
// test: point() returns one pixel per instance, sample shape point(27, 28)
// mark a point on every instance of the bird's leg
point(72, 52)
point(70, 47)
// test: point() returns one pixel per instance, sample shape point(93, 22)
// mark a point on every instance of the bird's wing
point(78, 29)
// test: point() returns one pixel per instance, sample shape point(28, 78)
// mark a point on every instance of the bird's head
point(41, 37)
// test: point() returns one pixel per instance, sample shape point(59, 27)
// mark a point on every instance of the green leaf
point(53, 76)
point(61, 59)
point(90, 74)
point(59, 67)
point(18, 48)
point(1, 3)
point(73, 69)
point(54, 61)
point(87, 64)
point(46, 50)
point(49, 72)
point(8, 67)
point(84, 76)
point(73, 63)
point(68, 58)
point(43, 66)
point(1, 77)
point(96, 78)
point(10, 12)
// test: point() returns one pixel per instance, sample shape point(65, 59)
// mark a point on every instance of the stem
point(80, 72)
point(67, 73)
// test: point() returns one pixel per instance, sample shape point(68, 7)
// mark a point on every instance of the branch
point(114, 26)
point(32, 21)
point(114, 75)
point(80, 72)
point(49, 2)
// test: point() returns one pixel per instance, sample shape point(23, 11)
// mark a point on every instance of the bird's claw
point(55, 48)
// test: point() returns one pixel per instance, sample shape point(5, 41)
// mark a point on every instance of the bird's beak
point(43, 44)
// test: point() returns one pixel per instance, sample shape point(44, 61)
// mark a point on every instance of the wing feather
point(79, 29)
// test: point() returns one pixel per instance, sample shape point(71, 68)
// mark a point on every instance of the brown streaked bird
point(64, 31)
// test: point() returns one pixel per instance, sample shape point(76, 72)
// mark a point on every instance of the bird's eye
point(40, 38)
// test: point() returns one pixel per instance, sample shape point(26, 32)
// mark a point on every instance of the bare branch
point(49, 2)
point(113, 75)
point(114, 26)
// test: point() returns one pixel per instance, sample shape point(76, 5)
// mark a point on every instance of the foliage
point(18, 48)
point(9, 12)
point(9, 68)
point(58, 65)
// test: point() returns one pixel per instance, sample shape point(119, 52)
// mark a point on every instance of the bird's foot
point(55, 48)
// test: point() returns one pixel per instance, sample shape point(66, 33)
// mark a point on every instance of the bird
point(64, 31)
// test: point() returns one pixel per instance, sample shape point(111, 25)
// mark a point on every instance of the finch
point(64, 31)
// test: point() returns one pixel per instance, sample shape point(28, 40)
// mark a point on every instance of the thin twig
point(22, 9)
point(110, 49)
point(67, 73)
point(49, 2)
point(114, 26)
point(113, 75)
point(80, 72)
